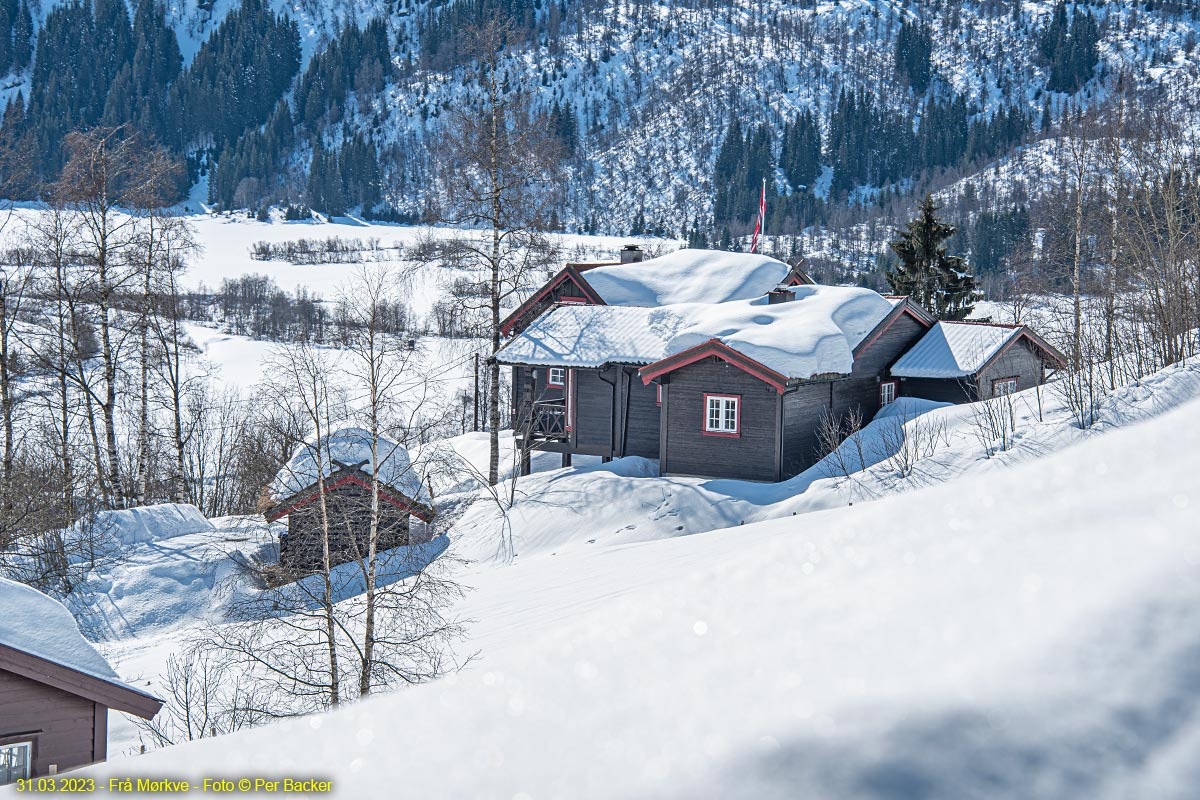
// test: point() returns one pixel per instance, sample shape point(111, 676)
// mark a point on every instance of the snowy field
point(1023, 633)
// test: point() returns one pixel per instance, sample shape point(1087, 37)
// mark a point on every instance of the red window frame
point(1015, 380)
point(550, 379)
point(895, 392)
point(737, 416)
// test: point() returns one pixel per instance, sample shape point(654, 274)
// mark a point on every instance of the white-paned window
point(722, 414)
point(1004, 386)
point(887, 392)
point(557, 376)
point(15, 762)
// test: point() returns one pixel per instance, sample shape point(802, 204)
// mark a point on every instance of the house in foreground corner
point(961, 362)
point(55, 689)
point(347, 469)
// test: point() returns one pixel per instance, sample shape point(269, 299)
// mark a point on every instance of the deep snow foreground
point(1023, 633)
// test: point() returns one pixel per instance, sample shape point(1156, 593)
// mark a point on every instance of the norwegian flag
point(762, 218)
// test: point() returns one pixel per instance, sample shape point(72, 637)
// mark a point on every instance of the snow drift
point(1020, 633)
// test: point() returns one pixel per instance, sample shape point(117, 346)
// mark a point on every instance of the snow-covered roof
point(687, 276)
point(591, 336)
point(39, 625)
point(814, 334)
point(954, 350)
point(349, 446)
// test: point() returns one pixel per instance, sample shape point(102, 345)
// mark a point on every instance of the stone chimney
point(631, 254)
point(780, 295)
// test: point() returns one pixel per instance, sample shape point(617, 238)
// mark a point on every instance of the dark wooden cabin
point(962, 362)
point(348, 506)
point(54, 708)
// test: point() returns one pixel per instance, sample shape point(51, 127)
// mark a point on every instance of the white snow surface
point(814, 334)
point(591, 336)
point(954, 350)
point(890, 649)
point(350, 446)
point(687, 276)
point(132, 526)
point(36, 623)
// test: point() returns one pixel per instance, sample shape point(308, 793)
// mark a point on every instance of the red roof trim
point(901, 309)
point(714, 347)
point(304, 497)
point(569, 271)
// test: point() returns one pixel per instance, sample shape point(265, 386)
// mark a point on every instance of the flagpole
point(763, 206)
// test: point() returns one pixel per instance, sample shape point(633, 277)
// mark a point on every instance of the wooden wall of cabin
point(643, 420)
point(66, 730)
point(688, 450)
point(349, 509)
point(1019, 361)
point(861, 389)
point(804, 407)
point(943, 390)
point(592, 429)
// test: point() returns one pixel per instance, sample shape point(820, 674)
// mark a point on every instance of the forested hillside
point(669, 114)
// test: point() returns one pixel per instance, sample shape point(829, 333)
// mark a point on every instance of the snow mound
point(133, 526)
point(954, 350)
point(349, 446)
point(38, 624)
point(688, 276)
point(814, 334)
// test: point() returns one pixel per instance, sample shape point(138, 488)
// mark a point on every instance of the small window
point(15, 762)
point(1004, 386)
point(556, 377)
point(722, 415)
point(658, 394)
point(887, 393)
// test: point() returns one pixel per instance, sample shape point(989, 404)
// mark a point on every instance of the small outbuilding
point(962, 362)
point(55, 689)
point(345, 473)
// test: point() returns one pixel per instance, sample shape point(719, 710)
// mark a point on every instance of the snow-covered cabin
point(55, 689)
point(342, 464)
point(724, 389)
point(959, 362)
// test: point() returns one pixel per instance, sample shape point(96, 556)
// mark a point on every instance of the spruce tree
point(941, 283)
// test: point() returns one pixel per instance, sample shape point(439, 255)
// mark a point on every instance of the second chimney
point(631, 254)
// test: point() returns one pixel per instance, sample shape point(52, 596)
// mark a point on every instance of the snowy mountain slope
point(652, 85)
point(1022, 633)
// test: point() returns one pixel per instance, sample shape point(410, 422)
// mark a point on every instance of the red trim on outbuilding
point(388, 495)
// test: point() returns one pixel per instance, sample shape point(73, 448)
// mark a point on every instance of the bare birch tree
point(499, 167)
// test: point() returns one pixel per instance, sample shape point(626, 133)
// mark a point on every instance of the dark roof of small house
point(347, 475)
